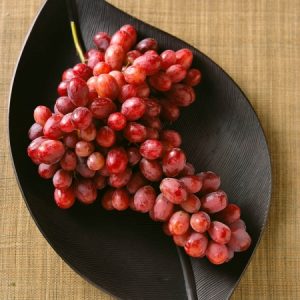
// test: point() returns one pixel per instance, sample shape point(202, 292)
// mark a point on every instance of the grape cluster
point(108, 132)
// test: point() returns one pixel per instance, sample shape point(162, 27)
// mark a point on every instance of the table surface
point(258, 43)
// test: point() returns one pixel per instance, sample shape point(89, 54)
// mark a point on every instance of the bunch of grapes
point(108, 132)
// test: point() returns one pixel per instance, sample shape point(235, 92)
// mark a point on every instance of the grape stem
point(76, 42)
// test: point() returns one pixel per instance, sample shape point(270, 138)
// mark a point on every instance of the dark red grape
point(66, 124)
point(106, 137)
point(193, 77)
point(85, 191)
point(64, 198)
point(151, 169)
point(184, 57)
point(116, 160)
point(47, 171)
point(121, 179)
point(62, 88)
point(151, 149)
point(160, 81)
point(106, 200)
point(181, 94)
point(173, 162)
point(78, 91)
point(99, 181)
point(136, 181)
point(168, 58)
point(52, 127)
point(120, 199)
point(135, 132)
point(134, 156)
point(147, 44)
point(69, 161)
point(102, 40)
point(144, 198)
point(62, 179)
point(35, 131)
point(83, 71)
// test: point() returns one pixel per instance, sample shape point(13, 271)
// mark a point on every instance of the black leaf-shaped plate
point(126, 253)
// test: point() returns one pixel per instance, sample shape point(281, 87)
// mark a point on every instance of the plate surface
point(126, 253)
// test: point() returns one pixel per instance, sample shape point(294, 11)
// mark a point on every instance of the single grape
point(173, 190)
point(66, 124)
point(70, 139)
point(88, 134)
point(84, 149)
point(181, 94)
point(131, 31)
point(238, 224)
point(172, 137)
point(240, 240)
point(135, 132)
point(119, 77)
point(169, 111)
point(35, 131)
point(200, 221)
point(216, 253)
point(193, 77)
point(133, 108)
point(78, 91)
point(144, 199)
point(147, 44)
point(82, 117)
point(85, 191)
point(151, 169)
point(68, 75)
point(107, 86)
point(133, 156)
point(214, 202)
point(41, 114)
point(50, 151)
point(150, 63)
point(64, 105)
point(106, 200)
point(116, 160)
point(173, 162)
point(219, 232)
point(168, 58)
point(114, 56)
point(192, 183)
point(102, 40)
point(192, 204)
point(95, 161)
point(64, 198)
point(69, 161)
point(83, 71)
point(101, 108)
point(123, 39)
point(91, 83)
point(32, 149)
point(62, 88)
point(134, 75)
point(121, 179)
point(210, 181)
point(176, 73)
point(136, 181)
point(196, 245)
point(179, 223)
point(153, 107)
point(162, 209)
point(120, 199)
point(184, 57)
point(229, 214)
point(62, 179)
point(47, 171)
point(151, 149)
point(101, 68)
point(83, 170)
point(131, 56)
point(106, 137)
point(52, 127)
point(160, 81)
point(127, 91)
point(96, 57)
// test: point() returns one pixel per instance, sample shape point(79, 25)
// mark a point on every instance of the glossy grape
point(179, 222)
point(200, 221)
point(151, 169)
point(214, 202)
point(120, 199)
point(116, 160)
point(192, 204)
point(64, 198)
point(219, 232)
point(173, 190)
point(216, 253)
point(144, 199)
point(85, 191)
point(41, 114)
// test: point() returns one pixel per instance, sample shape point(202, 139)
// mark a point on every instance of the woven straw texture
point(258, 43)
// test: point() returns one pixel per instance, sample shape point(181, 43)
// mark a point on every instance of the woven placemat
point(258, 43)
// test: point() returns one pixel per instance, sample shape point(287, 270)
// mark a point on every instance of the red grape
point(68, 75)
point(219, 232)
point(229, 214)
point(106, 200)
point(136, 181)
point(121, 179)
point(119, 77)
point(240, 240)
point(101, 108)
point(142, 90)
point(66, 124)
point(84, 170)
point(114, 56)
point(168, 58)
point(173, 190)
point(214, 202)
point(160, 81)
point(122, 38)
point(134, 156)
point(162, 209)
point(166, 230)
point(96, 57)
point(116, 160)
point(78, 91)
point(102, 40)
point(144, 198)
point(184, 57)
point(35, 131)
point(131, 56)
point(192, 204)
point(120, 199)
point(230, 254)
point(83, 71)
point(135, 132)
point(187, 170)
point(192, 183)
point(169, 111)
point(106, 137)
point(69, 161)
point(62, 179)
point(172, 137)
point(179, 223)
point(50, 151)
point(62, 88)
point(134, 75)
point(152, 133)
point(70, 139)
point(101, 68)
point(196, 245)
point(151, 149)
point(173, 162)
point(153, 107)
point(147, 44)
point(99, 181)
point(210, 181)
point(107, 86)
point(88, 134)
point(150, 63)
point(200, 221)
point(193, 77)
point(64, 198)
point(84, 149)
point(181, 94)
point(95, 161)
point(127, 91)
point(41, 114)
point(91, 83)
point(85, 191)
point(151, 169)
point(176, 73)
point(131, 31)
point(238, 224)
point(133, 108)
point(216, 253)
point(47, 171)
point(64, 105)
point(52, 127)
point(180, 240)
point(116, 121)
